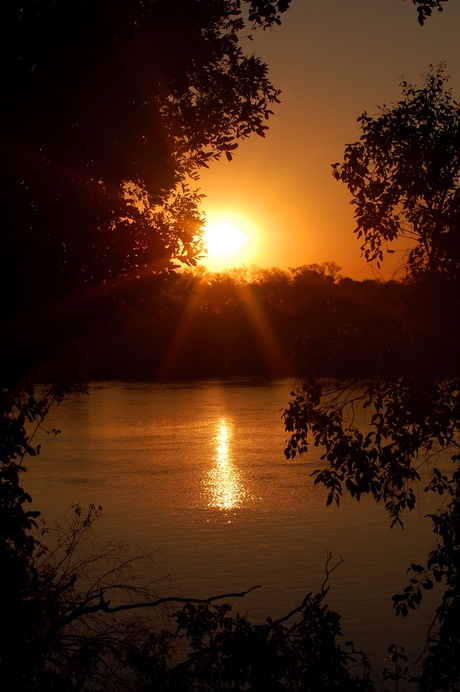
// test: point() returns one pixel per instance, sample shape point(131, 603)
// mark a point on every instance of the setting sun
point(231, 240)
point(223, 239)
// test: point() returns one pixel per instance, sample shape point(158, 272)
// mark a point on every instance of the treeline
point(262, 323)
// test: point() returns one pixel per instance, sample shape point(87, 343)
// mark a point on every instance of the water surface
point(197, 474)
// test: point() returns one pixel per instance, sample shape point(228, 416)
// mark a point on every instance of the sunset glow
point(284, 181)
point(223, 239)
point(231, 240)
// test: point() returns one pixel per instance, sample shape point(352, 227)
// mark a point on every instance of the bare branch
point(104, 606)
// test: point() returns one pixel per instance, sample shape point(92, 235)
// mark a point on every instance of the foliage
point(230, 653)
point(267, 12)
point(28, 609)
point(413, 402)
point(102, 140)
point(442, 652)
point(274, 323)
point(396, 655)
point(425, 8)
point(404, 176)
point(391, 429)
point(101, 145)
point(377, 435)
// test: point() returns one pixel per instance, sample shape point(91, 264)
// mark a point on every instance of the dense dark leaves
point(440, 668)
point(231, 653)
point(404, 176)
point(267, 12)
point(106, 109)
point(269, 323)
point(388, 431)
point(425, 8)
point(376, 435)
point(28, 609)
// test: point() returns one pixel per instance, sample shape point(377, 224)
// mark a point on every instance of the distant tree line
point(267, 323)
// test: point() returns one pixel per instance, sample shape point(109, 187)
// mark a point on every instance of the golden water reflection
point(224, 483)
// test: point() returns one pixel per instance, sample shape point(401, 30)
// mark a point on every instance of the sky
point(332, 60)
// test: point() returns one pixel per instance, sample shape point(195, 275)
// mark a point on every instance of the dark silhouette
point(263, 323)
point(404, 177)
point(403, 174)
point(425, 8)
point(107, 109)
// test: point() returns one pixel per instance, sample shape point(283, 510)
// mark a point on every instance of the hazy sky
point(332, 59)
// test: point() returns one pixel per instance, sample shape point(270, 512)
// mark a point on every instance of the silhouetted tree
point(404, 175)
point(404, 178)
point(108, 109)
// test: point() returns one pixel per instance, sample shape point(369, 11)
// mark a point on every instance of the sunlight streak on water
point(223, 482)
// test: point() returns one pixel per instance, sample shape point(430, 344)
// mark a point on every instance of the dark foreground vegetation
point(404, 177)
point(97, 217)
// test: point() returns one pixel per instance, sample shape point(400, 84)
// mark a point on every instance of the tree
point(107, 110)
point(403, 175)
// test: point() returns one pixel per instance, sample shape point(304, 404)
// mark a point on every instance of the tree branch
point(104, 606)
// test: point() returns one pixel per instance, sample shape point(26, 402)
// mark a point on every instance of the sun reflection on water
point(223, 482)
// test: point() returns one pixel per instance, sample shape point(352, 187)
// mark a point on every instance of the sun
point(223, 238)
point(231, 240)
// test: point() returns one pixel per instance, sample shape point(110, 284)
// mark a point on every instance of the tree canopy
point(108, 110)
point(425, 8)
point(389, 432)
point(404, 176)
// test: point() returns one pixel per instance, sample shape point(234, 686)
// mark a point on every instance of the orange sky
point(332, 59)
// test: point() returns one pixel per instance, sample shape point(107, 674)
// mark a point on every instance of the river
point(196, 473)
